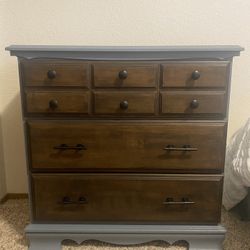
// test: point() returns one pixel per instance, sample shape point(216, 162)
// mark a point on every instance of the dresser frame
point(50, 236)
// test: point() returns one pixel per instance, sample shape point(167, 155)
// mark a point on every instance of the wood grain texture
point(179, 74)
point(180, 102)
point(126, 198)
point(139, 74)
point(126, 145)
point(68, 72)
point(108, 102)
point(67, 101)
point(125, 149)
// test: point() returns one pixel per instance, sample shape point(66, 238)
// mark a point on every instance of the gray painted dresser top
point(218, 52)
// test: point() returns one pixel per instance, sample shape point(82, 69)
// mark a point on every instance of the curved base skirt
point(50, 236)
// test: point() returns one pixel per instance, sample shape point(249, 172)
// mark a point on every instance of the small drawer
point(128, 146)
point(125, 75)
point(55, 102)
point(195, 74)
point(86, 198)
point(124, 103)
point(193, 102)
point(52, 73)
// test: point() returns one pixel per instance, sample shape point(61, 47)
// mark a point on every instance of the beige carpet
point(14, 216)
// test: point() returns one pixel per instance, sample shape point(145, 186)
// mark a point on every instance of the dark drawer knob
point(123, 74)
point(53, 104)
point(194, 104)
point(51, 74)
point(82, 200)
point(196, 75)
point(124, 105)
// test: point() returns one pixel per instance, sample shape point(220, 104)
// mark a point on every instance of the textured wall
point(112, 22)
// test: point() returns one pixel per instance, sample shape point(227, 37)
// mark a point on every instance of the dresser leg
point(206, 243)
point(44, 243)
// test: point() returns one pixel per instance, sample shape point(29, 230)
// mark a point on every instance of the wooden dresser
point(125, 135)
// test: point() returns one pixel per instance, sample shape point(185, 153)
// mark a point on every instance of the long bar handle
point(184, 148)
point(67, 147)
point(184, 201)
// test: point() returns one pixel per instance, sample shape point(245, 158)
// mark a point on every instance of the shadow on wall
point(14, 151)
point(2, 169)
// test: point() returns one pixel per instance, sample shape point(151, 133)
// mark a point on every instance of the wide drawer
point(193, 199)
point(124, 102)
point(125, 74)
point(193, 102)
point(49, 72)
point(54, 102)
point(126, 145)
point(195, 74)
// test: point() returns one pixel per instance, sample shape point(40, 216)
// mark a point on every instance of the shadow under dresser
point(125, 144)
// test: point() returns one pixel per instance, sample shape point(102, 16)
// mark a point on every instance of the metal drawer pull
point(51, 74)
point(123, 74)
point(184, 201)
point(68, 201)
point(184, 148)
point(66, 147)
point(196, 75)
point(53, 104)
point(82, 200)
point(124, 105)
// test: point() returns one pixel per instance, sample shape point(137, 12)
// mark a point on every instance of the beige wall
point(113, 22)
point(2, 169)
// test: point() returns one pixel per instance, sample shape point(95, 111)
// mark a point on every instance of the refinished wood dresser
point(125, 137)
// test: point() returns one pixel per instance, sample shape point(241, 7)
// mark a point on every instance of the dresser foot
point(50, 236)
point(40, 242)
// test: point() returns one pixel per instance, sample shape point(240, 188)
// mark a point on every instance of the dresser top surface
point(126, 52)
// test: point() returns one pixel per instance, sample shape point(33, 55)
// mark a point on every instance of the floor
point(14, 216)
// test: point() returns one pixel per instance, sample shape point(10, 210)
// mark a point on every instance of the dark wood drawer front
point(122, 103)
point(193, 102)
point(125, 75)
point(54, 73)
point(127, 198)
point(195, 74)
point(54, 102)
point(126, 145)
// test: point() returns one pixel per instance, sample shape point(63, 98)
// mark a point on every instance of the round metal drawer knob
point(196, 75)
point(51, 74)
point(124, 105)
point(194, 104)
point(123, 74)
point(53, 104)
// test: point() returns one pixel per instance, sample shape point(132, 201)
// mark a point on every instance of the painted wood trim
point(11, 196)
point(218, 52)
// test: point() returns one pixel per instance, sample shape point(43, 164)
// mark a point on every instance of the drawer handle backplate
point(77, 147)
point(68, 201)
point(184, 201)
point(184, 148)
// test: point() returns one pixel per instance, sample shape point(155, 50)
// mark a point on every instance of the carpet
point(14, 216)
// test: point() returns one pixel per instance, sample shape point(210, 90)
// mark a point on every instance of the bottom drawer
point(79, 198)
